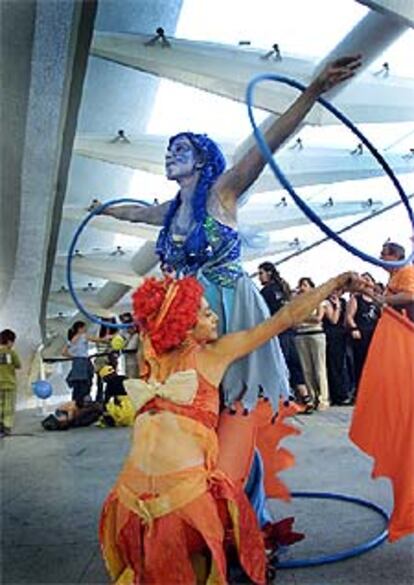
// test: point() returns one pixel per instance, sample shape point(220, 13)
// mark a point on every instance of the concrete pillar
point(48, 40)
point(17, 31)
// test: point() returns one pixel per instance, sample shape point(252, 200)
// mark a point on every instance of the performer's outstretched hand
point(137, 212)
point(336, 72)
point(352, 282)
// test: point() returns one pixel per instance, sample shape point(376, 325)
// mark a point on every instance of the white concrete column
point(48, 73)
point(370, 37)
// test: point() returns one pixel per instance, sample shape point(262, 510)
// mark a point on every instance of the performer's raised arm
point(233, 346)
point(172, 312)
point(242, 175)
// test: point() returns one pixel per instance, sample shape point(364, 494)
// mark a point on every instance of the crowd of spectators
point(325, 354)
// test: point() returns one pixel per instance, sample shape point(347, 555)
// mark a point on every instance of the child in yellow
point(9, 362)
point(119, 410)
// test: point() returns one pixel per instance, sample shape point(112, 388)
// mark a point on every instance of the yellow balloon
point(118, 342)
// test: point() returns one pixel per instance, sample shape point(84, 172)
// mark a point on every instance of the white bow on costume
point(180, 387)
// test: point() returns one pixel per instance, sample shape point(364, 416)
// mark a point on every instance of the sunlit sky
point(303, 28)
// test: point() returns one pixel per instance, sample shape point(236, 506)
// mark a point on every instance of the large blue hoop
point(311, 215)
point(71, 254)
point(344, 554)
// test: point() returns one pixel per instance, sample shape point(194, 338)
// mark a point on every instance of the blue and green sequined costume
point(239, 305)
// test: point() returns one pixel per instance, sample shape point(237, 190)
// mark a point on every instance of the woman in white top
point(80, 376)
point(311, 345)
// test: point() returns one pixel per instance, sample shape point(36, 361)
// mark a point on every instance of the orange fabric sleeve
point(402, 280)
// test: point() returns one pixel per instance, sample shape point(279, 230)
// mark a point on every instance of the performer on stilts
point(177, 512)
point(199, 237)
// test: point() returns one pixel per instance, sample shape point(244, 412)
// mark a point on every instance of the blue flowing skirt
point(264, 370)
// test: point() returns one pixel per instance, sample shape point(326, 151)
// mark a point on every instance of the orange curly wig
point(166, 310)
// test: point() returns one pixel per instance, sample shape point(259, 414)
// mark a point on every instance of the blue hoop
point(71, 253)
point(348, 553)
point(311, 215)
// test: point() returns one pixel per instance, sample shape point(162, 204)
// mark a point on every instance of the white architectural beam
point(226, 70)
point(304, 166)
point(118, 268)
point(89, 300)
point(281, 216)
point(109, 224)
point(142, 262)
point(370, 38)
point(271, 249)
point(113, 268)
point(402, 10)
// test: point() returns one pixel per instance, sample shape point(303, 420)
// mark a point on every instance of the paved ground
point(53, 485)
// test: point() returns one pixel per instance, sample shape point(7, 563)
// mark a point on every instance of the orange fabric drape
point(383, 419)
point(241, 434)
point(275, 458)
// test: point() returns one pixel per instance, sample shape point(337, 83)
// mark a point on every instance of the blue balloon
point(42, 389)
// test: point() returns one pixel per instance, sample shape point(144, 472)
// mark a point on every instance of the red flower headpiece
point(166, 310)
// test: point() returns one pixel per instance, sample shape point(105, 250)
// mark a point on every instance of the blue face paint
point(180, 159)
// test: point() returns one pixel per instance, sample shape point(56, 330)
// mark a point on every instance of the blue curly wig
point(214, 164)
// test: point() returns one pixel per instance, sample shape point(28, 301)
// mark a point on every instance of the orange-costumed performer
point(174, 514)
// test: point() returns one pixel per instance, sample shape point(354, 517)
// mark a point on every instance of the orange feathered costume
point(171, 501)
point(180, 494)
point(382, 424)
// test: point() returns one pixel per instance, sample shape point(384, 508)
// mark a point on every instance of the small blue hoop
point(71, 254)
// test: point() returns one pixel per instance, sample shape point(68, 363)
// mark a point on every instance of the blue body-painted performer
point(199, 237)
